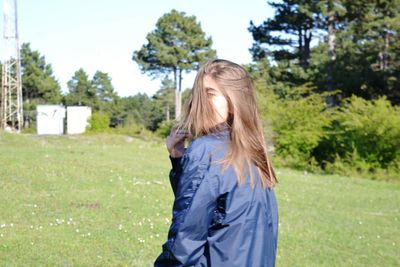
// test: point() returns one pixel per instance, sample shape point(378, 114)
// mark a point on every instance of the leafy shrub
point(98, 122)
point(354, 165)
point(364, 134)
point(299, 123)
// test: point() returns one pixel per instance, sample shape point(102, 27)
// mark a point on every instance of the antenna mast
point(11, 114)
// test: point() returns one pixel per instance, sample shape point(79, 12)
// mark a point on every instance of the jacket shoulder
point(198, 149)
point(202, 147)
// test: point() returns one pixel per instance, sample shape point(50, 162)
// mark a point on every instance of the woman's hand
point(176, 142)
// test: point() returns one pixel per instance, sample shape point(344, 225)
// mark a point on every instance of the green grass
point(105, 200)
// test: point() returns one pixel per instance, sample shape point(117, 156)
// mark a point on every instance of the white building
point(50, 119)
point(77, 119)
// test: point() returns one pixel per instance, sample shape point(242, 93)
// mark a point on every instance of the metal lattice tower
point(11, 114)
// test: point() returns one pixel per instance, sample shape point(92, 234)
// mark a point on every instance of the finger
point(173, 129)
point(180, 138)
point(175, 138)
point(179, 133)
point(182, 133)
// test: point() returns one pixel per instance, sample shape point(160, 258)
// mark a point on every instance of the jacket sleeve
point(194, 205)
point(175, 172)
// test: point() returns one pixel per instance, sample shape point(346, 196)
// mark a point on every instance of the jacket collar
point(221, 129)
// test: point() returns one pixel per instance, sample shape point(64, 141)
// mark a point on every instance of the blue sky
point(102, 34)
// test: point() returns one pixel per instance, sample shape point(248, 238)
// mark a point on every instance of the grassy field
point(105, 200)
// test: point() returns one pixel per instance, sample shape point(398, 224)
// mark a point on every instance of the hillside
point(105, 200)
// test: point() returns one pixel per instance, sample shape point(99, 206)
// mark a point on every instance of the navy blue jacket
point(215, 221)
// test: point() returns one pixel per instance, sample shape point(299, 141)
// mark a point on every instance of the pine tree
point(368, 55)
point(105, 94)
point(81, 92)
point(290, 32)
point(177, 45)
point(165, 97)
point(38, 82)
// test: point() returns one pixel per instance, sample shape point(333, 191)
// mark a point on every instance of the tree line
point(326, 73)
point(351, 46)
point(40, 86)
point(328, 77)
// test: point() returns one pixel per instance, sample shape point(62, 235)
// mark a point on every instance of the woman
point(225, 212)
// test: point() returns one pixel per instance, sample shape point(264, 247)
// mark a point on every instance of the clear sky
point(102, 34)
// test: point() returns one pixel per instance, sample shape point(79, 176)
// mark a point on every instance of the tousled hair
point(247, 142)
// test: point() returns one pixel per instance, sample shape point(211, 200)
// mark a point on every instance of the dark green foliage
point(141, 109)
point(106, 100)
point(357, 53)
point(165, 98)
point(297, 20)
point(357, 69)
point(81, 92)
point(284, 78)
point(39, 85)
point(367, 131)
point(374, 49)
point(105, 95)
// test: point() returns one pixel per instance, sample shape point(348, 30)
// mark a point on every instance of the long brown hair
point(246, 132)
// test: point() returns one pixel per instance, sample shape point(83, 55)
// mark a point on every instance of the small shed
point(50, 119)
point(77, 119)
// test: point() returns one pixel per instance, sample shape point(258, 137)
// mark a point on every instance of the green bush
point(164, 128)
point(352, 165)
point(360, 137)
point(356, 166)
point(298, 123)
point(98, 123)
point(364, 136)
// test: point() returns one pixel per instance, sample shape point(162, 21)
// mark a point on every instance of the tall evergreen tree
point(142, 109)
point(359, 53)
point(368, 55)
point(38, 82)
point(81, 91)
point(377, 35)
point(105, 94)
point(165, 97)
point(177, 45)
point(288, 35)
